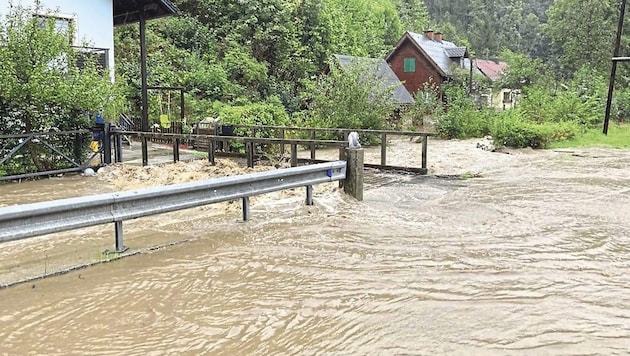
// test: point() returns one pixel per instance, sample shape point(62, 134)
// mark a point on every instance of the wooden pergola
point(132, 11)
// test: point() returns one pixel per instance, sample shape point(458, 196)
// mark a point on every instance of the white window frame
point(72, 20)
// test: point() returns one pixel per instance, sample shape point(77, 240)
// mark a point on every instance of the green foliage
point(43, 89)
point(427, 104)
point(349, 97)
point(583, 38)
point(268, 113)
point(462, 119)
point(618, 137)
point(582, 101)
point(512, 129)
point(522, 71)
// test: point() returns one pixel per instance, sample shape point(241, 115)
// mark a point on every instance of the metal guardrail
point(29, 220)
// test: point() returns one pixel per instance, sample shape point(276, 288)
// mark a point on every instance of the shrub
point(512, 129)
point(462, 119)
point(269, 113)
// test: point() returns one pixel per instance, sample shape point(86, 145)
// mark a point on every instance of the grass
point(618, 137)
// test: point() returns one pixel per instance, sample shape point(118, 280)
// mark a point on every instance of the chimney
point(429, 34)
point(438, 36)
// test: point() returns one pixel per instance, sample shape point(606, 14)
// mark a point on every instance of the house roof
point(130, 11)
point(389, 79)
point(491, 69)
point(442, 53)
point(455, 52)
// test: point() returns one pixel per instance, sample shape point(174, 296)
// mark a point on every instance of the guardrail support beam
point(246, 209)
point(309, 195)
point(353, 184)
point(120, 247)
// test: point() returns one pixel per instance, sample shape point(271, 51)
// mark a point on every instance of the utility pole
point(613, 70)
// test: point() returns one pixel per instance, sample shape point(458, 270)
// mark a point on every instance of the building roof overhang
point(131, 11)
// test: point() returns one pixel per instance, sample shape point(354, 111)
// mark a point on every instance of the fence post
point(294, 161)
point(313, 145)
point(211, 150)
point(119, 149)
point(107, 143)
point(145, 151)
point(383, 149)
point(176, 150)
point(424, 153)
point(353, 184)
point(282, 144)
point(249, 150)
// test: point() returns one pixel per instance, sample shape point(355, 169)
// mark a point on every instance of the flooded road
point(531, 257)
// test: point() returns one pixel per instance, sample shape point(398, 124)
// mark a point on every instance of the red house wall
point(424, 69)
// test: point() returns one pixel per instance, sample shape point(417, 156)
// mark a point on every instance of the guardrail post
point(120, 247)
point(354, 173)
point(309, 195)
point(245, 208)
point(383, 149)
point(424, 152)
point(294, 162)
point(211, 149)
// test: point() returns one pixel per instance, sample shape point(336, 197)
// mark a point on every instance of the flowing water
point(530, 257)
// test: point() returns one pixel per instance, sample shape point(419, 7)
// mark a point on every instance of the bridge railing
point(29, 220)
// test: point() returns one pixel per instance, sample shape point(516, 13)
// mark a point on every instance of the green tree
point(42, 87)
point(349, 97)
point(583, 33)
point(413, 15)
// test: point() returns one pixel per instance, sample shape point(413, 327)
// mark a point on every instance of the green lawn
point(618, 137)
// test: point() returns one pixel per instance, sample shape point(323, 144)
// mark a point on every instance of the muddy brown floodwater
point(529, 257)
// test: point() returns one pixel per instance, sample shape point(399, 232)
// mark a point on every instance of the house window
point(63, 24)
point(409, 65)
point(507, 97)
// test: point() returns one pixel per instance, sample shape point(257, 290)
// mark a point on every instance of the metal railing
point(51, 149)
point(29, 220)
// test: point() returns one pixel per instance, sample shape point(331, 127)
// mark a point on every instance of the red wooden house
point(420, 59)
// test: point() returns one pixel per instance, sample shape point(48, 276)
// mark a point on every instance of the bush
point(352, 97)
point(269, 113)
point(462, 119)
point(511, 129)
